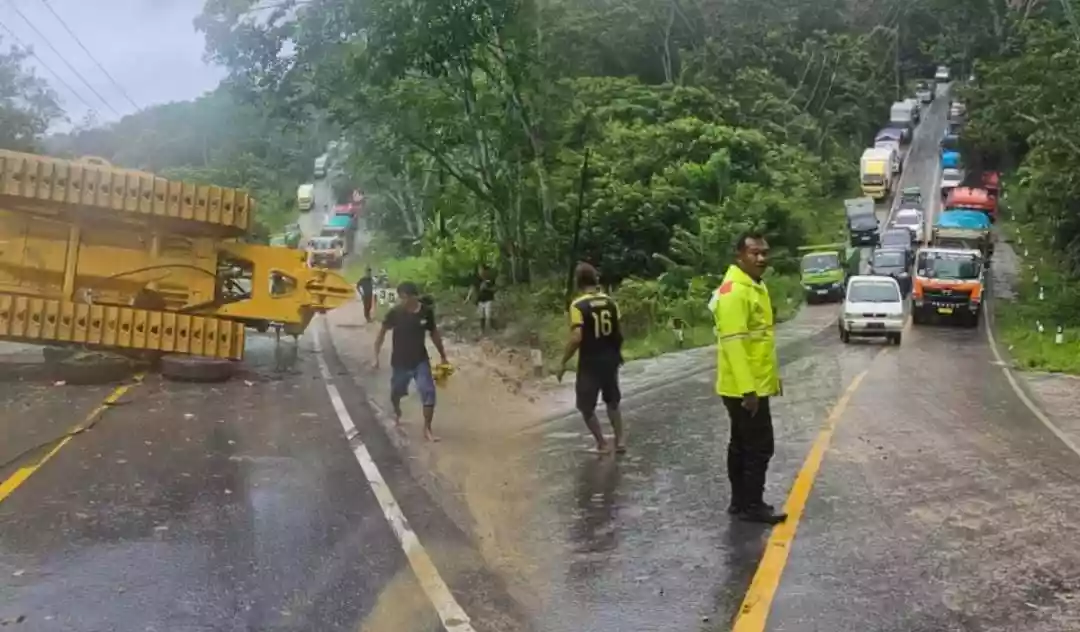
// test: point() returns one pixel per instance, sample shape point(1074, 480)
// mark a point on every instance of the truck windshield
point(820, 262)
point(873, 292)
point(873, 179)
point(889, 258)
point(322, 244)
point(959, 266)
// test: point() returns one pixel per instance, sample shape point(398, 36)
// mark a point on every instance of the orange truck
point(973, 198)
point(948, 283)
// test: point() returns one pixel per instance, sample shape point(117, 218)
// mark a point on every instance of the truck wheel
point(972, 321)
point(845, 336)
point(917, 317)
point(896, 338)
point(185, 368)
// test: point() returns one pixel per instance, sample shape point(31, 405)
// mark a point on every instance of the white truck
point(320, 165)
point(893, 146)
point(902, 115)
point(305, 197)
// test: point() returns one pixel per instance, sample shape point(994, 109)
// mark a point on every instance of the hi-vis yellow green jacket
point(746, 343)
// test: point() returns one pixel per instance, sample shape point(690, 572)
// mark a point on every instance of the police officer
point(747, 376)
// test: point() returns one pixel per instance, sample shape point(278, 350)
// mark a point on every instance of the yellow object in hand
point(441, 373)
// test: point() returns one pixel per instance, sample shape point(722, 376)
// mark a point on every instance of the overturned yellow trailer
point(105, 257)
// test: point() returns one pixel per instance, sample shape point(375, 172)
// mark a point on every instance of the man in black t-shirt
point(411, 321)
point(484, 289)
point(596, 337)
point(366, 286)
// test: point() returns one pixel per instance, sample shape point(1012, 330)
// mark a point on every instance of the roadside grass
point(1018, 320)
point(533, 316)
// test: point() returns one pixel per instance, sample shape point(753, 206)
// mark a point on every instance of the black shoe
point(735, 509)
point(762, 514)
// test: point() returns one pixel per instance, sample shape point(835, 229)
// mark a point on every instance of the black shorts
point(594, 382)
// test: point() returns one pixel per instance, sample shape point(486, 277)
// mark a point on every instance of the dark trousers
point(368, 300)
point(749, 451)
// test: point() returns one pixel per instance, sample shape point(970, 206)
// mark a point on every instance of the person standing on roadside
point(412, 322)
point(747, 376)
point(366, 287)
point(484, 288)
point(596, 337)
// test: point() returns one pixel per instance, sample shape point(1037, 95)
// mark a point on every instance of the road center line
point(755, 607)
point(451, 613)
point(13, 482)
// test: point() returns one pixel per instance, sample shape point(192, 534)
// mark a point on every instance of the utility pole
point(896, 56)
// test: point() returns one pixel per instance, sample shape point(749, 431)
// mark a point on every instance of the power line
point(75, 37)
point(47, 67)
point(62, 58)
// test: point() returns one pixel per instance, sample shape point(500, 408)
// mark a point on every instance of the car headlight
point(836, 284)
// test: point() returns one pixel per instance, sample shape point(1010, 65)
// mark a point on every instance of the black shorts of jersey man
point(600, 353)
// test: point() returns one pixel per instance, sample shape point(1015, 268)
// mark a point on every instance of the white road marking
point(451, 614)
point(1069, 443)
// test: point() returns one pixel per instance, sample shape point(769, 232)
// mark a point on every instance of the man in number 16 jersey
point(597, 339)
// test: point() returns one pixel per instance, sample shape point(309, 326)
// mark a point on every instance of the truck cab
point(862, 222)
point(875, 172)
point(824, 271)
point(326, 252)
point(948, 283)
point(902, 115)
point(305, 197)
point(320, 165)
point(942, 74)
point(924, 91)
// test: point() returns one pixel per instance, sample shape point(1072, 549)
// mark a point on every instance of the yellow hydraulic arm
point(109, 257)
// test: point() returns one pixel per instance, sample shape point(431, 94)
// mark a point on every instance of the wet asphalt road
point(224, 507)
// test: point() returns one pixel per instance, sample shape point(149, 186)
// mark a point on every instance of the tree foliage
point(28, 106)
point(471, 119)
point(1026, 113)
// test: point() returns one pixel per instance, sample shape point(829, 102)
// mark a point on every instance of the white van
point(873, 308)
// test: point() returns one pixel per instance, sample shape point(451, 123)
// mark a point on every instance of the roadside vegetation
point(1025, 120)
point(641, 136)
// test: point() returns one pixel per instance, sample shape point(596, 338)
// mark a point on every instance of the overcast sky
point(148, 46)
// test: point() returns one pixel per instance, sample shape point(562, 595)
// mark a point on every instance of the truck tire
point(917, 317)
point(186, 368)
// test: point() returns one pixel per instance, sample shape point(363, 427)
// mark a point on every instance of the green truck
point(288, 239)
point(825, 270)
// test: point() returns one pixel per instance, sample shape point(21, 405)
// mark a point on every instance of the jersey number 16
point(602, 325)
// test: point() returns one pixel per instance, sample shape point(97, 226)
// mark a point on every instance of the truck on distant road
point(902, 115)
point(862, 221)
point(341, 227)
point(948, 282)
point(326, 252)
point(960, 229)
point(876, 171)
point(825, 270)
point(305, 197)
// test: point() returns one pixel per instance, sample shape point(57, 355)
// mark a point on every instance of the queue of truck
point(943, 269)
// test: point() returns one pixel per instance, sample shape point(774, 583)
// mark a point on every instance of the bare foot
point(603, 448)
point(430, 436)
point(620, 449)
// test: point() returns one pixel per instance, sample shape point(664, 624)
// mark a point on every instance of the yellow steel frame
point(102, 256)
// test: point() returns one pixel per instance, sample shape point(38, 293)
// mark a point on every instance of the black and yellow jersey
point(597, 315)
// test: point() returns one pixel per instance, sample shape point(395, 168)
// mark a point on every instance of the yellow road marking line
point(755, 607)
point(13, 482)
